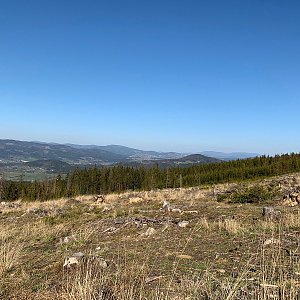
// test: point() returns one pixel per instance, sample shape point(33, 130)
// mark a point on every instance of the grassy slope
point(215, 257)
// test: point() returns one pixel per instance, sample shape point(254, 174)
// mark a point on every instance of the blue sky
point(162, 75)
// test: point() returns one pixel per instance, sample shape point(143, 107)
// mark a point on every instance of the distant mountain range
point(18, 151)
point(184, 161)
point(131, 153)
point(39, 157)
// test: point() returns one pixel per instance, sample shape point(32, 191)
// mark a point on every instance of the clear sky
point(168, 75)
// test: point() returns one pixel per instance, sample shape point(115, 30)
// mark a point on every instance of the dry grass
point(221, 255)
point(10, 251)
point(86, 283)
point(187, 194)
point(128, 282)
point(267, 226)
point(204, 224)
point(122, 281)
point(291, 220)
point(231, 226)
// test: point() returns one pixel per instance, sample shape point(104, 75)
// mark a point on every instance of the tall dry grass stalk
point(10, 252)
point(120, 282)
point(276, 276)
point(231, 226)
point(41, 230)
point(267, 226)
point(86, 283)
point(291, 220)
point(203, 223)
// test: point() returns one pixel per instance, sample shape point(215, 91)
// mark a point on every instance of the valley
point(39, 161)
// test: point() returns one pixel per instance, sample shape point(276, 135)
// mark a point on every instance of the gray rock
point(78, 254)
point(169, 208)
point(269, 213)
point(166, 206)
point(234, 274)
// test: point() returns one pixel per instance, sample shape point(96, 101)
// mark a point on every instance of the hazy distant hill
point(11, 150)
point(185, 161)
point(229, 156)
point(131, 153)
point(198, 158)
point(14, 151)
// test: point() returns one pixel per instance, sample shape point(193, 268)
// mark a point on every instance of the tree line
point(104, 180)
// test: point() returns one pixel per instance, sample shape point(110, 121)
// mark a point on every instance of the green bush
point(255, 194)
point(222, 197)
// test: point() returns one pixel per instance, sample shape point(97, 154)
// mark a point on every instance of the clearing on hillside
point(208, 242)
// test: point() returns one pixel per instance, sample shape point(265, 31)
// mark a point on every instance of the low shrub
point(254, 194)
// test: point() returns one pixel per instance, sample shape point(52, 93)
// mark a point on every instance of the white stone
point(271, 241)
point(183, 224)
point(73, 260)
point(69, 261)
point(150, 231)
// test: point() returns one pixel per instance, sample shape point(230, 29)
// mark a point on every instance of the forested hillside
point(121, 178)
